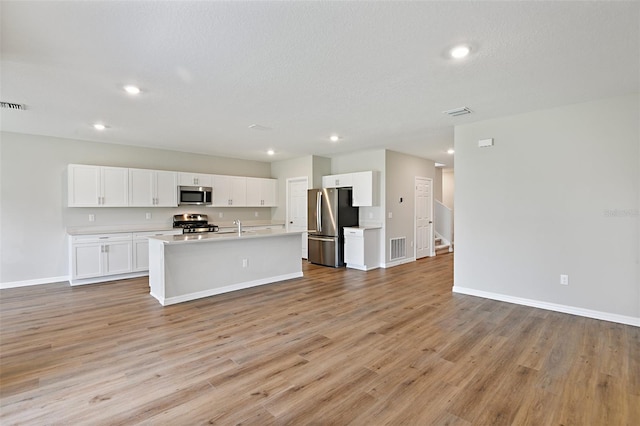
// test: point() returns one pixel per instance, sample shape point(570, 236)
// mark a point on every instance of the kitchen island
point(188, 267)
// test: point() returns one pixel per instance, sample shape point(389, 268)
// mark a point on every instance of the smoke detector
point(457, 111)
point(11, 105)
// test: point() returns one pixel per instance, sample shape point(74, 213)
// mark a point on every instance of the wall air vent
point(457, 111)
point(11, 105)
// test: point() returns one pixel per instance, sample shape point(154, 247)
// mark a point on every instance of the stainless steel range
point(193, 223)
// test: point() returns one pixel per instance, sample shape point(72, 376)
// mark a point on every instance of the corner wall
point(401, 171)
point(557, 194)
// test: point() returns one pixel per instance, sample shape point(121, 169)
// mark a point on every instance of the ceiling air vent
point(457, 111)
point(11, 105)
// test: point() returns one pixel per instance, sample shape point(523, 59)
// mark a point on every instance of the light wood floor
point(339, 346)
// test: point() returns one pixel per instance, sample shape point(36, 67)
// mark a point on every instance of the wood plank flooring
point(336, 347)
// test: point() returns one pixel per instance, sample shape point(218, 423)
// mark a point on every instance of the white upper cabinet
point(195, 179)
point(365, 189)
point(365, 186)
point(229, 191)
point(97, 186)
point(152, 188)
point(261, 192)
point(337, 181)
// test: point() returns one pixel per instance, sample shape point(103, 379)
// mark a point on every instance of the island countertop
point(207, 237)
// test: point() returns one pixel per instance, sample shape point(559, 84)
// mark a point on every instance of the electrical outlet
point(255, 214)
point(92, 218)
point(147, 215)
point(370, 215)
point(244, 263)
point(390, 215)
point(220, 215)
point(564, 279)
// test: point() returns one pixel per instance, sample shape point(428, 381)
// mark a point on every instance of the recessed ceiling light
point(334, 138)
point(450, 151)
point(99, 126)
point(460, 52)
point(271, 152)
point(132, 90)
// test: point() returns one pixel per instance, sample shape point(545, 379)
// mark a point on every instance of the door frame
point(432, 251)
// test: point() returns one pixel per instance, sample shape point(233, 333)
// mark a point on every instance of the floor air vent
point(398, 248)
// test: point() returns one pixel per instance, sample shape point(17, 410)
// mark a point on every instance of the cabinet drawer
point(79, 239)
point(355, 232)
point(139, 235)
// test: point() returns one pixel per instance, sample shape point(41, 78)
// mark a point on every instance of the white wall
point(448, 188)
point(34, 216)
point(557, 194)
point(402, 169)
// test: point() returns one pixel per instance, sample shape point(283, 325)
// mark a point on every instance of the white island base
point(183, 268)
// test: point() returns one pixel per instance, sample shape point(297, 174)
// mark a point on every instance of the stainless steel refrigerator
point(329, 211)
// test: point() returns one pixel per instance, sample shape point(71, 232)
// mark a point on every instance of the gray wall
point(401, 171)
point(448, 188)
point(33, 199)
point(557, 194)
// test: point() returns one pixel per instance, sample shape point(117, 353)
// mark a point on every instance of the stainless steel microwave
point(195, 195)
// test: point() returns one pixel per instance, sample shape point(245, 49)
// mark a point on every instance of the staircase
point(443, 230)
point(442, 247)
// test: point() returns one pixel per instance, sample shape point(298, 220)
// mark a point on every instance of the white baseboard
point(226, 289)
point(588, 313)
point(107, 278)
point(39, 281)
point(398, 262)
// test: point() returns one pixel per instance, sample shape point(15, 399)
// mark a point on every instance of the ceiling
point(377, 74)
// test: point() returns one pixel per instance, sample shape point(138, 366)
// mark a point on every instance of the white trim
point(39, 281)
point(398, 262)
point(226, 289)
point(588, 313)
point(107, 278)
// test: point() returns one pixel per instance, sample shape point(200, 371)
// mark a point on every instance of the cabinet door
point(166, 189)
point(141, 186)
point(337, 181)
point(269, 191)
point(238, 191)
point(353, 250)
point(363, 189)
point(115, 187)
point(141, 255)
point(221, 191)
point(83, 186)
point(117, 259)
point(194, 179)
point(254, 192)
point(86, 261)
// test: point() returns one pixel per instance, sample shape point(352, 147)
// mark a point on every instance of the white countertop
point(363, 227)
point(109, 229)
point(223, 236)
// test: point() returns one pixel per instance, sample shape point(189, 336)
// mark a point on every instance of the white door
point(424, 217)
point(297, 209)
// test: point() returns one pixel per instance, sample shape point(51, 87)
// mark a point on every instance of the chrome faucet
point(237, 222)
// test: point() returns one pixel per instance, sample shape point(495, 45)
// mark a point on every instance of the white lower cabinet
point(141, 247)
point(362, 248)
point(100, 255)
point(107, 257)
